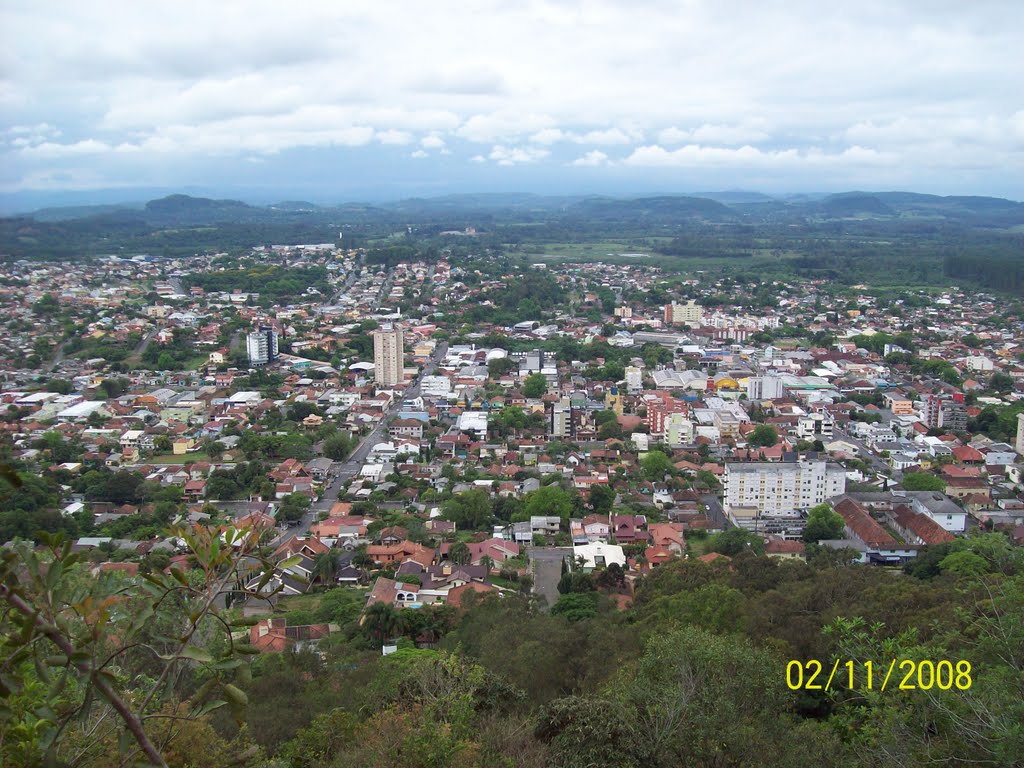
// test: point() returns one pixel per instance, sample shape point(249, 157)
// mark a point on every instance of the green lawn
point(170, 458)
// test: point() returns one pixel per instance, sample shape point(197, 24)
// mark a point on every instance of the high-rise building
point(1019, 444)
point(946, 412)
point(781, 487)
point(388, 356)
point(689, 314)
point(261, 345)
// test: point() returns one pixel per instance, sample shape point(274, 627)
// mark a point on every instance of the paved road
point(344, 471)
point(546, 566)
point(872, 458)
point(715, 511)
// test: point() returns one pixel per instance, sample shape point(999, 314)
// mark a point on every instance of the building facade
point(261, 345)
point(684, 314)
point(781, 487)
point(388, 356)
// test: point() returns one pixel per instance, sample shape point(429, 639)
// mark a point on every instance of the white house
point(599, 555)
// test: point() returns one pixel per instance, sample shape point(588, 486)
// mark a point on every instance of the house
point(629, 528)
point(546, 526)
point(668, 536)
point(596, 528)
point(274, 635)
point(599, 555)
point(194, 490)
point(784, 549)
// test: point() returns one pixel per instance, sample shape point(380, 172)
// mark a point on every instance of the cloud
point(604, 136)
point(697, 156)
point(391, 136)
point(486, 128)
point(749, 133)
point(671, 84)
point(503, 155)
point(592, 159)
point(419, 154)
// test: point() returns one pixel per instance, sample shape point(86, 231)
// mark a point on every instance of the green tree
point(763, 436)
point(655, 465)
point(459, 553)
point(923, 481)
point(67, 630)
point(736, 540)
point(601, 498)
point(337, 446)
point(576, 606)
point(549, 501)
point(535, 385)
point(469, 511)
point(823, 523)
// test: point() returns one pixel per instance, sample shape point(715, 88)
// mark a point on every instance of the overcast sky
point(366, 100)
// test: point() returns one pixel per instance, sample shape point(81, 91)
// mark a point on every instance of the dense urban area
point(435, 493)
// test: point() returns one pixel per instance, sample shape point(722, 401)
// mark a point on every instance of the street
point(344, 471)
point(546, 565)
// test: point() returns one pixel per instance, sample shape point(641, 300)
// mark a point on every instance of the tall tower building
point(388, 356)
point(261, 345)
point(1019, 445)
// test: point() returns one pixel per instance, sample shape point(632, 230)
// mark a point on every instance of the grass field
point(187, 458)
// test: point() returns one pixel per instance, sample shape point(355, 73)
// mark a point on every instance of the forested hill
point(853, 235)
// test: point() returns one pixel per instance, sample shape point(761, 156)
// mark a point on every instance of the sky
point(332, 101)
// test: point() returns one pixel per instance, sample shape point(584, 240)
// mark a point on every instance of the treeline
point(271, 282)
point(1003, 274)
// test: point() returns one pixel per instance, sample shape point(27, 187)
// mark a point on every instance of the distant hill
point(737, 196)
point(666, 209)
point(294, 205)
point(854, 204)
point(69, 212)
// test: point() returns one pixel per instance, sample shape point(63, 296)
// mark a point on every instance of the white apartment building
point(261, 345)
point(388, 356)
point(815, 426)
point(781, 487)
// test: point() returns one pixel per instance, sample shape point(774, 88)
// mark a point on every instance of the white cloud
point(592, 159)
point(419, 154)
point(692, 82)
point(485, 128)
point(708, 133)
point(698, 156)
point(392, 136)
point(503, 155)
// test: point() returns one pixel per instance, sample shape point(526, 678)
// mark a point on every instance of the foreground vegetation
point(693, 674)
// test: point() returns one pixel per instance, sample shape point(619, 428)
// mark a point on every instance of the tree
point(1001, 382)
point(923, 481)
point(823, 523)
point(655, 465)
point(381, 621)
point(293, 507)
point(576, 606)
point(601, 498)
point(67, 631)
point(736, 540)
point(763, 436)
point(459, 553)
point(337, 446)
point(325, 566)
point(535, 385)
point(469, 511)
point(549, 501)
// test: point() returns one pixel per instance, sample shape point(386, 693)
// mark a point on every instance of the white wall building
point(781, 487)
